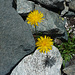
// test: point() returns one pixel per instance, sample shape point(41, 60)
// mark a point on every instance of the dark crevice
point(24, 16)
point(14, 5)
point(62, 70)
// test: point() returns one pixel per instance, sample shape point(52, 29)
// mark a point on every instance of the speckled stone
point(24, 6)
point(40, 64)
point(70, 70)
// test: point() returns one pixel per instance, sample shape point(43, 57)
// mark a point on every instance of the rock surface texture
point(72, 5)
point(70, 13)
point(24, 6)
point(16, 40)
point(69, 70)
point(40, 64)
point(51, 3)
point(53, 24)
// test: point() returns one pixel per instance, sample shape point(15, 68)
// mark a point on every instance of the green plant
point(67, 49)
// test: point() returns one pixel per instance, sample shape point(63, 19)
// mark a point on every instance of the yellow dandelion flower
point(44, 44)
point(35, 17)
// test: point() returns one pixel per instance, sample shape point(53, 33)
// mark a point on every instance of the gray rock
point(69, 70)
point(51, 3)
point(53, 24)
point(72, 5)
point(67, 0)
point(16, 40)
point(70, 13)
point(40, 64)
point(24, 6)
point(66, 9)
point(4, 3)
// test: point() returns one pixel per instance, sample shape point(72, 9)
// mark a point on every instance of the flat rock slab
point(16, 40)
point(24, 6)
point(40, 64)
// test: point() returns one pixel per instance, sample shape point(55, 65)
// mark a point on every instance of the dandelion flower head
point(44, 44)
point(35, 17)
